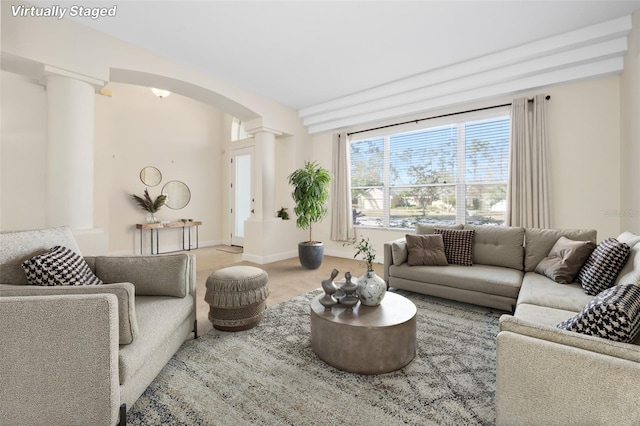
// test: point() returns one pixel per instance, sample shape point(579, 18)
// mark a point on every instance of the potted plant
point(151, 206)
point(310, 193)
point(283, 213)
point(371, 288)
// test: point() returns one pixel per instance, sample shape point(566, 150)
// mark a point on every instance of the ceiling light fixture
point(160, 93)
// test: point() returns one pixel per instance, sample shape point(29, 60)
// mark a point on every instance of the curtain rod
point(437, 116)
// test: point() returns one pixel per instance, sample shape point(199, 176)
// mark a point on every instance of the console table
point(154, 228)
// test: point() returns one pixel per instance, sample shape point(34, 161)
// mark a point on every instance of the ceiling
point(306, 53)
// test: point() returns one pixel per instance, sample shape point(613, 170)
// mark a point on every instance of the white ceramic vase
point(371, 289)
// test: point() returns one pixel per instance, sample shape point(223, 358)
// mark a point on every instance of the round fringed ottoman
point(237, 297)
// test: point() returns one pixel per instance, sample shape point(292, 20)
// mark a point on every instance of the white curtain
point(341, 215)
point(528, 185)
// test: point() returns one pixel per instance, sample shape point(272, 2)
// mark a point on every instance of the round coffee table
point(365, 340)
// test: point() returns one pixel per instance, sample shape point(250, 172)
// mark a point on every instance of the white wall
point(584, 156)
point(69, 45)
point(630, 132)
point(23, 161)
point(182, 137)
point(28, 44)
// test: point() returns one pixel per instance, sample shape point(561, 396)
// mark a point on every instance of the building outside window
point(452, 173)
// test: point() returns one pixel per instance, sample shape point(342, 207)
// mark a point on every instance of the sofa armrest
point(547, 376)
point(59, 360)
point(161, 275)
point(626, 351)
point(388, 261)
point(124, 292)
point(388, 257)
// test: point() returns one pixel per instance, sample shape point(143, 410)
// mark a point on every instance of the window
point(455, 173)
point(237, 130)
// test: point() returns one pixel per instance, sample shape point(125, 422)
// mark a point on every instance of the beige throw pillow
point(565, 259)
point(399, 252)
point(426, 250)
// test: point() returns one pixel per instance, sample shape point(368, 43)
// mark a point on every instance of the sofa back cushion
point(538, 242)
point(423, 228)
point(16, 247)
point(399, 251)
point(498, 246)
point(630, 273)
point(142, 271)
point(629, 238)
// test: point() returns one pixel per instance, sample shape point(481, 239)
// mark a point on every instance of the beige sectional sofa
point(81, 355)
point(545, 375)
point(550, 376)
point(500, 262)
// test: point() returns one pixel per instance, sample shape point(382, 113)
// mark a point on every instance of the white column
point(70, 158)
point(264, 176)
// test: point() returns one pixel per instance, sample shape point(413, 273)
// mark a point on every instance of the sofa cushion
point(602, 267)
point(565, 259)
point(16, 247)
point(142, 271)
point(539, 290)
point(158, 319)
point(426, 250)
point(423, 228)
point(59, 266)
point(542, 314)
point(630, 273)
point(458, 245)
point(498, 245)
point(486, 279)
point(399, 252)
point(538, 242)
point(629, 238)
point(613, 314)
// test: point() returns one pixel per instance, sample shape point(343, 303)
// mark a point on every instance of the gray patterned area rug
point(269, 375)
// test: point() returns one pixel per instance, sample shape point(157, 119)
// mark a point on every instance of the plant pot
point(310, 254)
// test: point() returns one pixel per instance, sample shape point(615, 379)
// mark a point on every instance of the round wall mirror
point(150, 176)
point(178, 194)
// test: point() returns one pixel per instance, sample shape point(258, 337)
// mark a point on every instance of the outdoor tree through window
point(448, 174)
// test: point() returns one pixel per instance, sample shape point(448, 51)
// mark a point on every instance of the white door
point(241, 193)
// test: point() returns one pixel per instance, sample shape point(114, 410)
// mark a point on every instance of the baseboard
point(261, 260)
point(166, 248)
point(338, 253)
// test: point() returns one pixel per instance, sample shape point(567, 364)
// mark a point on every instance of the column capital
point(255, 126)
point(263, 130)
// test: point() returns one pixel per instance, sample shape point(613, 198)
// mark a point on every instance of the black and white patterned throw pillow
point(613, 314)
point(458, 245)
point(602, 267)
point(59, 266)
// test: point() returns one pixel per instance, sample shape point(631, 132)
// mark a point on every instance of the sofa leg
point(123, 415)
point(195, 329)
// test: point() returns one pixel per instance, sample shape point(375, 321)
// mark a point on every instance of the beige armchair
point(79, 355)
